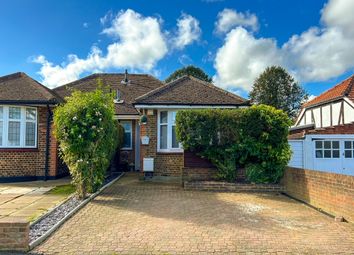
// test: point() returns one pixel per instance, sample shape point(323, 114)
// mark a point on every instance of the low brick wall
point(332, 193)
point(14, 234)
point(198, 173)
point(231, 187)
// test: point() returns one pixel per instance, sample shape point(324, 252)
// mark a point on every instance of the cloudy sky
point(57, 42)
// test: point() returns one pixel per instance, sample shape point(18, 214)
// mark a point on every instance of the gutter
point(47, 142)
point(34, 102)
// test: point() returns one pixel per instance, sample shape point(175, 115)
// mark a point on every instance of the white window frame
point(23, 122)
point(170, 124)
point(131, 134)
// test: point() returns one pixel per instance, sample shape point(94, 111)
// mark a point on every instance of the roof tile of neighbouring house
point(188, 90)
point(20, 88)
point(345, 88)
point(138, 85)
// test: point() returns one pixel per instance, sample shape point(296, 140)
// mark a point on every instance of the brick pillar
point(14, 234)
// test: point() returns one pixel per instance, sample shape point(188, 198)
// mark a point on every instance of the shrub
point(238, 137)
point(88, 137)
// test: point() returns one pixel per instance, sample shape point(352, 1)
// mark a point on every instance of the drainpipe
point(47, 143)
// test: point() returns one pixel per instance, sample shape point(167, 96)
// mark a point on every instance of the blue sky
point(231, 40)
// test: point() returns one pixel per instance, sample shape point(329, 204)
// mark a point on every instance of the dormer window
point(118, 97)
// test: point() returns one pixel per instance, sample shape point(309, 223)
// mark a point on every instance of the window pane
point(14, 133)
point(1, 112)
point(15, 113)
point(347, 144)
point(327, 153)
point(163, 137)
point(335, 144)
point(335, 153)
point(348, 154)
point(127, 140)
point(327, 144)
point(163, 117)
point(318, 144)
point(1, 126)
point(127, 126)
point(174, 138)
point(30, 114)
point(319, 154)
point(173, 117)
point(30, 134)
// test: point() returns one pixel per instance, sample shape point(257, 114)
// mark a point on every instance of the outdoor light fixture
point(143, 119)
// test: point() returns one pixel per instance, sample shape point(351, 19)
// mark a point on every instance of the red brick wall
point(332, 193)
point(165, 164)
point(31, 162)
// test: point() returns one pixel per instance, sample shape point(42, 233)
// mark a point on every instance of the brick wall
point(166, 164)
point(31, 162)
point(332, 193)
point(14, 234)
point(231, 187)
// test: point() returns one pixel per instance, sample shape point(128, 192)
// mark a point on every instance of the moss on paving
point(66, 189)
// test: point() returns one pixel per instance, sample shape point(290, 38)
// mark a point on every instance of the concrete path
point(29, 200)
point(135, 217)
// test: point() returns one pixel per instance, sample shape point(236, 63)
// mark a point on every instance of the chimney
point(126, 80)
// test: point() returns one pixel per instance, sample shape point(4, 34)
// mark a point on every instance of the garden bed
point(232, 187)
point(48, 223)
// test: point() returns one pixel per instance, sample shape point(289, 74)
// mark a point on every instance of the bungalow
point(323, 135)
point(147, 108)
point(28, 150)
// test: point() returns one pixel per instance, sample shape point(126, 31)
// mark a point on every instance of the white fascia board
point(331, 136)
point(142, 106)
point(126, 117)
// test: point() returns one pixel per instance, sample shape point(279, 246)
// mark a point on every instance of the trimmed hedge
point(254, 138)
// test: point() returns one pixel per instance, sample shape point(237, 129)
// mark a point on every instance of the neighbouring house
point(28, 150)
point(323, 135)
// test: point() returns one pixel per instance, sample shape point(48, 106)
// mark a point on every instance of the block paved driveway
point(133, 217)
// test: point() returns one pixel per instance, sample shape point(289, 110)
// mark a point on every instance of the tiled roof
point(20, 88)
point(139, 84)
point(188, 90)
point(345, 88)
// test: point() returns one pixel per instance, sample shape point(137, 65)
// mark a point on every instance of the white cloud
point(229, 19)
point(188, 31)
point(317, 54)
point(140, 45)
point(242, 58)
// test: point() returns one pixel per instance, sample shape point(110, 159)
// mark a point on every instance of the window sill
point(170, 152)
point(19, 150)
point(126, 149)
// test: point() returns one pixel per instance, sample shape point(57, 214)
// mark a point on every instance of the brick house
point(323, 135)
point(145, 106)
point(28, 150)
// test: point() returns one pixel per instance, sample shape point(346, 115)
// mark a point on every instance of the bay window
point(167, 139)
point(18, 127)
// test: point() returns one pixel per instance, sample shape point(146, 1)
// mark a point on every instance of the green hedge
point(254, 138)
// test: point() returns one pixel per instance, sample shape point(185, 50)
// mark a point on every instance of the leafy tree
point(88, 137)
point(277, 88)
point(189, 70)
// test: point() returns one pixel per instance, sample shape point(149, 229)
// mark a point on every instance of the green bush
point(237, 138)
point(88, 137)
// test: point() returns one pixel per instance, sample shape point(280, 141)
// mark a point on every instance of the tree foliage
point(88, 136)
point(277, 88)
point(189, 70)
point(255, 138)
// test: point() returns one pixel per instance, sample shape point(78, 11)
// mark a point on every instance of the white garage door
point(335, 155)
